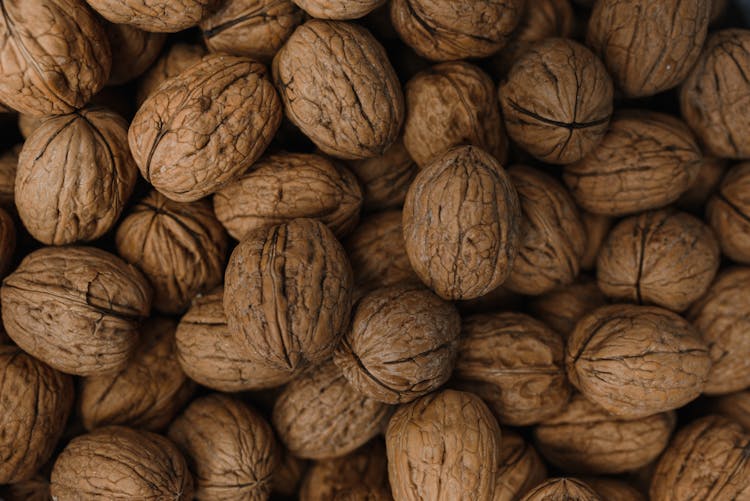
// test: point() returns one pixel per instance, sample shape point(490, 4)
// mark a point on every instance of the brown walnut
point(161, 16)
point(735, 406)
point(339, 9)
point(597, 228)
point(563, 307)
point(133, 51)
point(8, 167)
point(173, 61)
point(728, 213)
point(568, 489)
point(7, 241)
point(706, 184)
point(612, 489)
point(519, 470)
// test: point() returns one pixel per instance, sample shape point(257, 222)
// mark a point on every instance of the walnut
point(563, 307)
point(646, 160)
point(706, 183)
point(664, 257)
point(230, 448)
point(444, 30)
point(287, 295)
point(515, 363)
point(339, 9)
point(36, 402)
point(597, 228)
point(319, 415)
point(735, 406)
point(205, 126)
point(707, 459)
point(557, 101)
point(161, 16)
point(569, 489)
point(714, 97)
point(120, 463)
point(148, 393)
point(27, 124)
point(614, 490)
point(289, 474)
point(7, 241)
point(75, 308)
point(462, 224)
point(8, 167)
point(553, 237)
point(635, 361)
point(728, 213)
point(174, 61)
point(75, 175)
point(402, 343)
point(54, 57)
point(432, 441)
point(448, 105)
point(648, 47)
point(520, 468)
point(133, 51)
point(286, 186)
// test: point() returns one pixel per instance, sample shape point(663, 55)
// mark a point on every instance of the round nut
point(174, 61)
point(735, 406)
point(597, 228)
point(8, 241)
point(728, 213)
point(8, 167)
point(563, 307)
point(339, 9)
point(614, 490)
point(519, 470)
point(555, 489)
point(133, 51)
point(161, 16)
point(709, 178)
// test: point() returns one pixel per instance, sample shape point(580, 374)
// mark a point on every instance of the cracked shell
point(161, 16)
point(556, 489)
point(563, 307)
point(520, 468)
point(133, 51)
point(173, 61)
point(728, 213)
point(339, 9)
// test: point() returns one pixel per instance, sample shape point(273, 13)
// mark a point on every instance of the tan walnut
point(728, 213)
point(519, 470)
point(339, 9)
point(172, 62)
point(162, 16)
point(563, 307)
point(133, 51)
point(556, 489)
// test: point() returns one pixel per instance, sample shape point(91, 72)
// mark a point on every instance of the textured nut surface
point(728, 213)
point(515, 363)
point(664, 257)
point(462, 224)
point(645, 161)
point(614, 490)
point(120, 463)
point(635, 361)
point(75, 175)
point(706, 183)
point(339, 88)
point(557, 101)
point(8, 167)
point(205, 126)
point(75, 308)
point(597, 228)
point(563, 307)
point(520, 468)
point(569, 489)
point(166, 16)
point(133, 51)
point(735, 406)
point(339, 9)
point(173, 61)
point(7, 241)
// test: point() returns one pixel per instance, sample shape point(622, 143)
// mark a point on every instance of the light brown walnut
point(133, 51)
point(728, 213)
point(563, 307)
point(172, 62)
point(519, 470)
point(161, 16)
point(339, 9)
point(569, 489)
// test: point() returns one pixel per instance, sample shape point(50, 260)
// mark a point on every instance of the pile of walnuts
point(374, 250)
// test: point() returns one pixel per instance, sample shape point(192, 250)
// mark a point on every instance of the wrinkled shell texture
point(120, 463)
point(54, 55)
point(645, 161)
point(515, 363)
point(339, 9)
point(286, 186)
point(229, 447)
point(728, 213)
point(75, 308)
point(133, 51)
point(706, 183)
point(563, 307)
point(443, 30)
point(648, 47)
point(706, 460)
point(665, 258)
point(180, 247)
point(449, 105)
point(519, 469)
point(319, 415)
point(429, 449)
point(735, 406)
point(402, 343)
point(201, 129)
point(557, 101)
point(8, 241)
point(174, 61)
point(462, 224)
point(161, 16)
point(8, 166)
point(614, 490)
point(556, 489)
point(385, 179)
point(339, 88)
point(75, 175)
point(37, 400)
point(635, 361)
point(714, 99)
point(146, 394)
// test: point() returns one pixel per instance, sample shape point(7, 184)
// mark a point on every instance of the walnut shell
point(339, 9)
point(614, 490)
point(120, 463)
point(7, 241)
point(664, 257)
point(202, 128)
point(597, 228)
point(54, 56)
point(173, 61)
point(319, 415)
point(706, 183)
point(75, 308)
point(735, 406)
point(230, 448)
point(520, 468)
point(8, 167)
point(635, 361)
point(161, 16)
point(563, 307)
point(462, 224)
point(133, 51)
point(448, 105)
point(75, 175)
point(557, 101)
point(645, 161)
point(515, 363)
point(148, 393)
point(36, 402)
point(568, 489)
point(728, 213)
point(707, 459)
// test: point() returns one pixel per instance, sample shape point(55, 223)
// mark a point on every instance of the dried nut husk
point(707, 459)
point(286, 186)
point(229, 447)
point(202, 128)
point(563, 307)
point(7, 241)
point(36, 400)
point(635, 361)
point(569, 489)
point(75, 308)
point(8, 167)
point(728, 213)
point(431, 441)
point(516, 364)
point(613, 489)
point(319, 415)
point(647, 160)
point(448, 105)
point(339, 9)
point(557, 101)
point(148, 393)
point(288, 475)
point(173, 61)
point(54, 56)
point(706, 184)
point(120, 463)
point(664, 257)
point(597, 228)
point(735, 406)
point(75, 175)
point(180, 247)
point(462, 224)
point(133, 51)
point(519, 470)
point(161, 16)
point(347, 101)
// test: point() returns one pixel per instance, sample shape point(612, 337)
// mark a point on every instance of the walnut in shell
point(133, 51)
point(706, 183)
point(568, 489)
point(161, 16)
point(7, 241)
point(520, 468)
point(735, 406)
point(613, 489)
point(173, 61)
point(597, 228)
point(563, 307)
point(339, 9)
point(728, 213)
point(8, 167)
